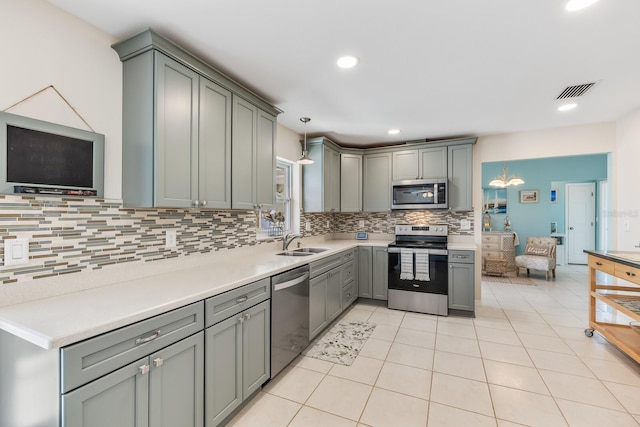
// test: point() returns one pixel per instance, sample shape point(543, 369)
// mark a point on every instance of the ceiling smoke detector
point(575, 91)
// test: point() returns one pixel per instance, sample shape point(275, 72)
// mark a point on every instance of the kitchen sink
point(303, 251)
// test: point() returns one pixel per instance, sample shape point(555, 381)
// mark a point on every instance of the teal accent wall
point(534, 219)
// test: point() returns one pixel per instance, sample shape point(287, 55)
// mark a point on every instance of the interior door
point(581, 217)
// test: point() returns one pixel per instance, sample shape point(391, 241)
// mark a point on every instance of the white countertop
point(61, 320)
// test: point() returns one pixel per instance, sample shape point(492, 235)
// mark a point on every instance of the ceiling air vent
point(575, 91)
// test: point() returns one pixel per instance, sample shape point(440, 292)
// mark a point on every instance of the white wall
point(626, 200)
point(44, 46)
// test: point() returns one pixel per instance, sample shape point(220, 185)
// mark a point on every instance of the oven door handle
point(430, 251)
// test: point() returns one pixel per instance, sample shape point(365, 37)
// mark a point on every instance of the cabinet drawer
point(631, 274)
point(492, 254)
point(348, 272)
point(349, 255)
point(491, 246)
point(601, 264)
point(325, 264)
point(95, 357)
point(490, 239)
point(348, 294)
point(463, 257)
point(233, 302)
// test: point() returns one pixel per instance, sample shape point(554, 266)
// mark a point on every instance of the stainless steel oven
point(418, 269)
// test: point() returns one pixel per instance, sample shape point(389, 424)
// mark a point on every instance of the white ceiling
point(433, 68)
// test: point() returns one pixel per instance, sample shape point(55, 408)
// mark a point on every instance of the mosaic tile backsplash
point(68, 235)
point(385, 222)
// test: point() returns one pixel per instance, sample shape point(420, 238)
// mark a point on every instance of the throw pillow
point(537, 250)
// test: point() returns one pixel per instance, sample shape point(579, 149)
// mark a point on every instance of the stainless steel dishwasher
point(289, 317)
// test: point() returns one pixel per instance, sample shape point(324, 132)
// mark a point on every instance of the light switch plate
point(465, 224)
point(16, 251)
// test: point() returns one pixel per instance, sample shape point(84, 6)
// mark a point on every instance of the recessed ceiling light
point(348, 61)
point(567, 107)
point(574, 5)
point(394, 131)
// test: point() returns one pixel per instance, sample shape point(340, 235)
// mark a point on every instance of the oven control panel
point(422, 230)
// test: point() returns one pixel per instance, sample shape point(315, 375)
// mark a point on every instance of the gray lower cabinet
point(372, 272)
point(237, 350)
point(252, 156)
point(164, 389)
point(461, 280)
point(325, 300)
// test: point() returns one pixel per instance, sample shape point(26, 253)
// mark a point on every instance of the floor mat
point(342, 343)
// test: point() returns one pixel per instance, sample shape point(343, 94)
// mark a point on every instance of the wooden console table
point(622, 294)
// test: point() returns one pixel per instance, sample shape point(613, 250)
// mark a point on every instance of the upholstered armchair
point(539, 254)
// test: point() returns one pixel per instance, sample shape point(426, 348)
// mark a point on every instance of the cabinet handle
point(196, 203)
point(158, 362)
point(151, 337)
point(598, 263)
point(247, 316)
point(630, 274)
point(241, 319)
point(348, 295)
point(242, 299)
point(144, 369)
point(204, 203)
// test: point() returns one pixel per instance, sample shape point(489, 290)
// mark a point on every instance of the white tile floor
point(524, 360)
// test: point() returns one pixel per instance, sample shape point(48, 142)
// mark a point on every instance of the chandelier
point(502, 181)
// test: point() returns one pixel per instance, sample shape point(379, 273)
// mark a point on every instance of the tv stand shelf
point(622, 295)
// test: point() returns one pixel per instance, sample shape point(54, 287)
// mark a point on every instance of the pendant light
point(305, 159)
point(502, 181)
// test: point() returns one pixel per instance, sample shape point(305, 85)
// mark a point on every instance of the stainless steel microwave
point(419, 194)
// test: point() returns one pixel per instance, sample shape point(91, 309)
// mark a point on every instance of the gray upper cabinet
point(376, 193)
point(178, 130)
point(420, 164)
point(214, 165)
point(253, 160)
point(405, 164)
point(350, 182)
point(460, 176)
point(321, 179)
point(433, 162)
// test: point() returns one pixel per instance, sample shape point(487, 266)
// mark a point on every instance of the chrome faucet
point(288, 238)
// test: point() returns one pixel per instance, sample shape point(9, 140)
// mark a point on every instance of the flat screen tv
point(48, 158)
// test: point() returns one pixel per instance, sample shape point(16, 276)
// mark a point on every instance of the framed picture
point(495, 200)
point(529, 196)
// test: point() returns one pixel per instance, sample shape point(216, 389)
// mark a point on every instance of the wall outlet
point(627, 225)
point(361, 223)
point(170, 238)
point(307, 226)
point(328, 224)
point(465, 224)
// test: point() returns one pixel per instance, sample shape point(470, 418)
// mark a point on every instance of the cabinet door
point(243, 139)
point(223, 367)
point(433, 162)
point(405, 165)
point(460, 175)
point(118, 399)
point(256, 347)
point(379, 273)
point(377, 182)
point(214, 145)
point(334, 181)
point(265, 160)
point(176, 384)
point(176, 133)
point(334, 294)
point(461, 287)
point(351, 183)
point(317, 304)
point(364, 272)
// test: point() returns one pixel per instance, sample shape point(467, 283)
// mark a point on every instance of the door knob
point(570, 228)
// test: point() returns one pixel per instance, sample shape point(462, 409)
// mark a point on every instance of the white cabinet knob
point(158, 362)
point(144, 369)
